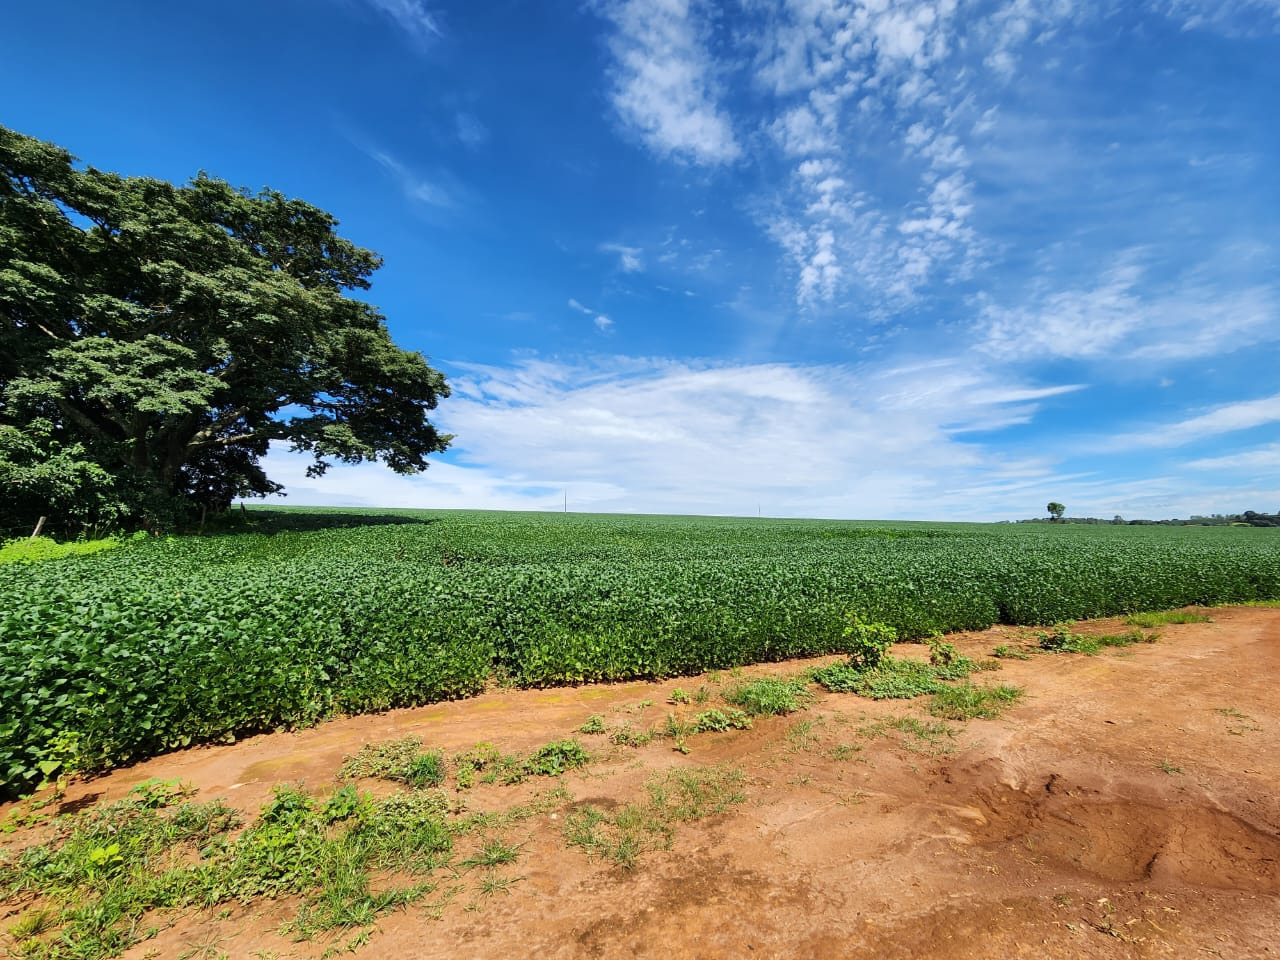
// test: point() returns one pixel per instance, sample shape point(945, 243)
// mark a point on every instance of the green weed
point(556, 758)
point(1062, 640)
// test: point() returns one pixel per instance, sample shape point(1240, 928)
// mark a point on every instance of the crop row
point(113, 657)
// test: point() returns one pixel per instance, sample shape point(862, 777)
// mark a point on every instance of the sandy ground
point(1128, 807)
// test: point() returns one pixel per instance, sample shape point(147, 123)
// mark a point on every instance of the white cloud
point(1125, 315)
point(664, 85)
point(1259, 458)
point(413, 17)
point(602, 321)
point(1228, 418)
point(630, 259)
point(651, 436)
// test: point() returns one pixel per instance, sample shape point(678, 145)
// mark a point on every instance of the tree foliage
point(157, 338)
point(1056, 510)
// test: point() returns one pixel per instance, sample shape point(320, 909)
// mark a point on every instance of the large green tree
point(157, 338)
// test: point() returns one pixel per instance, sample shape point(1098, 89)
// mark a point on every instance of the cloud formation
point(651, 435)
point(664, 83)
point(1125, 315)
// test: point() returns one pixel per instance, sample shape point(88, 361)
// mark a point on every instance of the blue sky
point(845, 258)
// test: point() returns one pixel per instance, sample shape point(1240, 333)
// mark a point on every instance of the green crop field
point(114, 656)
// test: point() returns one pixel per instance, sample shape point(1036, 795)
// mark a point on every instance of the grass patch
point(1158, 618)
point(967, 702)
point(1239, 722)
point(1126, 639)
point(929, 737)
point(676, 797)
point(1004, 652)
point(769, 696)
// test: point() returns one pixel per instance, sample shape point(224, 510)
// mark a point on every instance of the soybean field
point(297, 615)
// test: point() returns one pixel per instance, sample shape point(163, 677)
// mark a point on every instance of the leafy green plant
point(629, 736)
point(593, 725)
point(556, 758)
point(1004, 652)
point(718, 721)
point(867, 643)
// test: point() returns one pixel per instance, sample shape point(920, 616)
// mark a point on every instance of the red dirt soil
point(1127, 807)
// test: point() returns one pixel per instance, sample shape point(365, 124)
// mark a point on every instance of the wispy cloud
point(664, 81)
point(1265, 458)
point(1127, 315)
point(1227, 418)
point(415, 187)
point(413, 17)
point(1232, 17)
point(630, 259)
point(800, 440)
point(470, 131)
point(602, 321)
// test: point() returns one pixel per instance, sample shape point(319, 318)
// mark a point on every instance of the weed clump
point(718, 721)
point(871, 672)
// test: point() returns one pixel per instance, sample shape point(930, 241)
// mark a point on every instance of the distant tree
point(1056, 511)
point(1117, 519)
point(155, 339)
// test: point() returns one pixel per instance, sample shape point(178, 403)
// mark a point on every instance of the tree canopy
point(157, 338)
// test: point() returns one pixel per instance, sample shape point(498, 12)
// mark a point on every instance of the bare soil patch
point(1127, 807)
